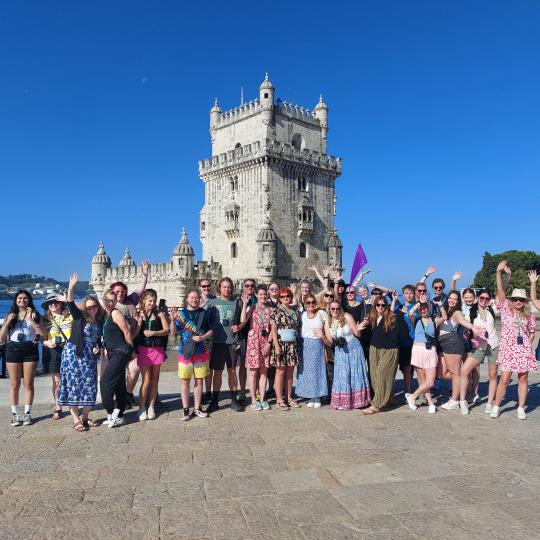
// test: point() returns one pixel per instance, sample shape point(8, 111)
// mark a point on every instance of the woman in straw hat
point(515, 350)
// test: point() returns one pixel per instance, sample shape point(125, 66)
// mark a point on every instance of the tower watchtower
point(269, 189)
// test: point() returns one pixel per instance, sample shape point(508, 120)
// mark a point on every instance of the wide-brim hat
point(48, 298)
point(519, 293)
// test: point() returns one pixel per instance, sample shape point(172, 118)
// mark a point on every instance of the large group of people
point(344, 341)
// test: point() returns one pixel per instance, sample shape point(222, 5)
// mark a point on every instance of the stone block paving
point(303, 474)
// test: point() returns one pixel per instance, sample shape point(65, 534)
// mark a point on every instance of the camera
point(429, 345)
point(519, 340)
point(20, 336)
point(341, 342)
point(57, 340)
point(225, 322)
point(264, 333)
point(486, 334)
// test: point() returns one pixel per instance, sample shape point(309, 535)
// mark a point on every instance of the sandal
point(283, 406)
point(79, 426)
point(57, 414)
point(371, 410)
point(88, 423)
point(294, 404)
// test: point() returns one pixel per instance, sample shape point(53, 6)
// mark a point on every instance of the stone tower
point(101, 262)
point(269, 190)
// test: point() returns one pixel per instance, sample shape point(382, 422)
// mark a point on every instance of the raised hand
point(362, 325)
point(371, 284)
point(431, 270)
point(9, 318)
point(313, 268)
point(457, 276)
point(325, 270)
point(502, 266)
point(394, 294)
point(61, 298)
point(423, 298)
point(73, 279)
point(174, 313)
point(533, 276)
point(145, 267)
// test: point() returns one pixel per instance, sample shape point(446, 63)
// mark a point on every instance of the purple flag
point(359, 262)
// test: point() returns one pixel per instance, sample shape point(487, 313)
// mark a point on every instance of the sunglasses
point(518, 299)
point(438, 287)
point(328, 295)
point(54, 302)
point(335, 309)
point(484, 298)
point(205, 286)
point(310, 303)
point(380, 305)
point(249, 286)
point(421, 290)
point(351, 292)
point(286, 296)
point(93, 306)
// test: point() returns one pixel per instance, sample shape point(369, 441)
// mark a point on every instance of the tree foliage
point(520, 262)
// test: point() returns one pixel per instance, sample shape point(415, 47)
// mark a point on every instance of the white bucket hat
point(519, 293)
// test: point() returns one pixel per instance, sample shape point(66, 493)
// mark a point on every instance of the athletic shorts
point(196, 366)
point(18, 353)
point(224, 355)
point(404, 358)
point(489, 353)
point(452, 344)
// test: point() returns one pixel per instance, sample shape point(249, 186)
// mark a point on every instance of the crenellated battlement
point(297, 111)
point(239, 113)
point(266, 148)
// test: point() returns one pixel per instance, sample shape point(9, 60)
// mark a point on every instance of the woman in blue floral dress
point(78, 369)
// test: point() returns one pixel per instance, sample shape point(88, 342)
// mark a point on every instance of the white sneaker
point(495, 411)
point(316, 403)
point(421, 400)
point(115, 420)
point(474, 399)
point(151, 413)
point(142, 415)
point(450, 405)
point(488, 408)
point(310, 403)
point(432, 409)
point(411, 402)
point(464, 406)
point(108, 421)
point(521, 414)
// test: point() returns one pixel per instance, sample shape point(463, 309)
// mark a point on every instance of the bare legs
point(278, 383)
point(197, 392)
point(132, 375)
point(289, 372)
point(492, 388)
point(149, 386)
point(55, 377)
point(426, 379)
point(218, 376)
point(469, 366)
point(15, 373)
point(453, 364)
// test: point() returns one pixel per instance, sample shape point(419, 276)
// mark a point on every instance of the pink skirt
point(150, 356)
point(424, 358)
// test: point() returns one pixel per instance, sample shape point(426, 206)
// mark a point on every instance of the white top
point(342, 331)
point(26, 328)
point(316, 323)
point(487, 322)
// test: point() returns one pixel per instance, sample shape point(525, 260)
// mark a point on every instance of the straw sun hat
point(519, 293)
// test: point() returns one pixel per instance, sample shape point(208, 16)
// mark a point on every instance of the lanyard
point(261, 315)
point(22, 324)
point(518, 319)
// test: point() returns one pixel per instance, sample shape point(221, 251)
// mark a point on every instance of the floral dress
point(513, 356)
point(78, 374)
point(260, 321)
point(285, 319)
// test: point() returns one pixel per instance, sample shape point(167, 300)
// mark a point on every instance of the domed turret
point(126, 259)
point(321, 112)
point(335, 248)
point(183, 257)
point(100, 264)
point(215, 114)
point(266, 97)
point(267, 251)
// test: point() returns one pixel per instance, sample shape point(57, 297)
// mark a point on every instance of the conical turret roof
point(183, 247)
point(126, 259)
point(101, 257)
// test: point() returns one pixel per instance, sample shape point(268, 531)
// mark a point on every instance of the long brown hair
point(100, 313)
point(389, 317)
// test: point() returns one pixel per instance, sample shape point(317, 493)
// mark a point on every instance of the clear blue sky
point(434, 107)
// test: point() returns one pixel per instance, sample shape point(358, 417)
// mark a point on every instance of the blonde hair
point(340, 319)
point(299, 301)
point(146, 294)
point(321, 304)
point(524, 312)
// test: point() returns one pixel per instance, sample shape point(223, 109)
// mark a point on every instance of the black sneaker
point(213, 407)
point(271, 393)
point(16, 420)
point(207, 397)
point(129, 401)
point(236, 406)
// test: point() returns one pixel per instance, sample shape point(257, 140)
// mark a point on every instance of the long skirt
point(78, 377)
point(351, 384)
point(311, 372)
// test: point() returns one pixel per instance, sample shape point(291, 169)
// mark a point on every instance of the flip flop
point(79, 426)
point(57, 414)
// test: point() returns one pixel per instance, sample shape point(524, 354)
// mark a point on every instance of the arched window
point(297, 141)
point(234, 250)
point(303, 250)
point(302, 183)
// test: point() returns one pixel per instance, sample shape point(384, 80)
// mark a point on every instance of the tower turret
point(267, 252)
point(266, 98)
point(321, 113)
point(100, 264)
point(335, 249)
point(215, 117)
point(183, 257)
point(126, 259)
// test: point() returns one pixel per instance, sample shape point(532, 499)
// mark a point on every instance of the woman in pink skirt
point(149, 344)
point(424, 354)
point(515, 350)
point(258, 347)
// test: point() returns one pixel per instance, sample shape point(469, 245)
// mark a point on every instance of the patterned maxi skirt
point(311, 372)
point(78, 377)
point(351, 384)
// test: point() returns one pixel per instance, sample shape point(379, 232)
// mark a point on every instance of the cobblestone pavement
point(304, 474)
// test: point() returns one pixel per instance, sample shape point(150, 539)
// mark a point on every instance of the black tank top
point(112, 334)
point(155, 325)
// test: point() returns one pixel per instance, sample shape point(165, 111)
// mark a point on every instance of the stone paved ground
point(304, 474)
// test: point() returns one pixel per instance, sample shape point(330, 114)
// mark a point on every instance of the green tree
point(520, 262)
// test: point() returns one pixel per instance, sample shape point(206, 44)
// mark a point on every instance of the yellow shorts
point(196, 366)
